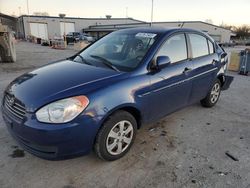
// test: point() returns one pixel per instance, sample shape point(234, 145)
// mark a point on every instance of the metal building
point(219, 34)
point(10, 21)
point(49, 27)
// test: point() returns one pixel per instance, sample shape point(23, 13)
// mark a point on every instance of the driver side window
point(175, 48)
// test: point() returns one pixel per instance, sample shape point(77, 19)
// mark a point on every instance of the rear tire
point(213, 95)
point(11, 57)
point(2, 52)
point(116, 136)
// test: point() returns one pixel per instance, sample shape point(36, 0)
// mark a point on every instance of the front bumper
point(53, 142)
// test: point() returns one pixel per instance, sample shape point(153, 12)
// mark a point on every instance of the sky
point(230, 12)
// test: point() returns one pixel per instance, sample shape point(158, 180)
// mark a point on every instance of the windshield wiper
point(83, 60)
point(106, 62)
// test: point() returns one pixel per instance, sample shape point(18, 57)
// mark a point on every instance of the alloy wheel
point(215, 93)
point(119, 137)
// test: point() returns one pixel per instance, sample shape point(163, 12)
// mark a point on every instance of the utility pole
point(152, 13)
point(28, 10)
point(19, 8)
point(126, 14)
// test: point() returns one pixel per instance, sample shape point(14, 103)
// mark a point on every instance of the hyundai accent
point(99, 98)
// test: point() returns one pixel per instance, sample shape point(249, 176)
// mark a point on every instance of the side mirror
point(224, 58)
point(223, 55)
point(162, 61)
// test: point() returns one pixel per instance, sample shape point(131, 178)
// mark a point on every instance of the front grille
point(12, 105)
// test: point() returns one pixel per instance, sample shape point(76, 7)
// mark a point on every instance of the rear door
point(171, 86)
point(205, 62)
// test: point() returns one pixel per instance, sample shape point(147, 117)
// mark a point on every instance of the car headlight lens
point(62, 111)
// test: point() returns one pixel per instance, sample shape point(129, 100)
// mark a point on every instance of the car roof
point(157, 30)
point(162, 30)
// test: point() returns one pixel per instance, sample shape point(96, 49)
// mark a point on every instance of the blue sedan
point(99, 98)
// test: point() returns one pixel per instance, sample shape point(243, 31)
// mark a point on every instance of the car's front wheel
point(116, 136)
point(213, 95)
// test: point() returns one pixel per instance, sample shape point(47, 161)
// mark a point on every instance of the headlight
point(62, 111)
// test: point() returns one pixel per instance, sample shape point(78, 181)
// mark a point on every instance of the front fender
point(126, 93)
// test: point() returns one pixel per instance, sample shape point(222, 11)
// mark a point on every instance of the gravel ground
point(186, 149)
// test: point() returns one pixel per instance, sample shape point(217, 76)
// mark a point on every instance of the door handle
point(214, 62)
point(187, 69)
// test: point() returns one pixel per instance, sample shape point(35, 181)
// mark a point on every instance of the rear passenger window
point(175, 48)
point(211, 47)
point(198, 45)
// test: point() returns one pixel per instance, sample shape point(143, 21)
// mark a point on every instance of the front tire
point(116, 136)
point(213, 95)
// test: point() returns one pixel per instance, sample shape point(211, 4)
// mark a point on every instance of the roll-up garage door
point(39, 30)
point(69, 27)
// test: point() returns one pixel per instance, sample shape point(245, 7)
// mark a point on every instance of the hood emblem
point(12, 101)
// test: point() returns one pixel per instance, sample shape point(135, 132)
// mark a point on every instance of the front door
point(171, 86)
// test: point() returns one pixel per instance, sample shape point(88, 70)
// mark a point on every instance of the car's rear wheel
point(213, 95)
point(116, 136)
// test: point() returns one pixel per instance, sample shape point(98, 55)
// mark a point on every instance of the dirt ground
point(185, 149)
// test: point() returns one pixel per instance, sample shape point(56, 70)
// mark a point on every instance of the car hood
point(56, 81)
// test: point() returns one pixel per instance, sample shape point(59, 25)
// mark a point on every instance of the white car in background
point(87, 37)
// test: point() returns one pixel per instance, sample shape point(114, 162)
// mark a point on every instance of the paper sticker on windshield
point(146, 35)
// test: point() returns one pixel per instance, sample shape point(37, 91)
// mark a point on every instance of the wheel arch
point(130, 108)
point(135, 112)
point(221, 77)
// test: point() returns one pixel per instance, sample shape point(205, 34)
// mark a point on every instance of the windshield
point(118, 50)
